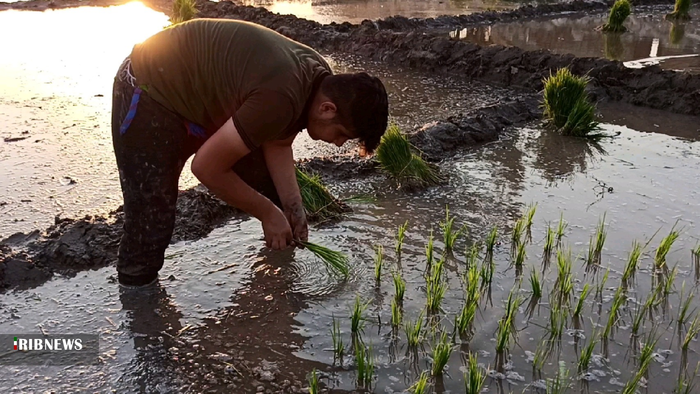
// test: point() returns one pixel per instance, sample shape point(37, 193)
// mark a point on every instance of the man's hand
point(297, 219)
point(278, 233)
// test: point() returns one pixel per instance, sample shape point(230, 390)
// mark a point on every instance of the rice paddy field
point(535, 263)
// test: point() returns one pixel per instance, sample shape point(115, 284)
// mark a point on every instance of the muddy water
point(650, 39)
point(355, 11)
point(55, 99)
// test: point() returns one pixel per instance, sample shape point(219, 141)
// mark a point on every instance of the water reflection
point(647, 36)
point(559, 157)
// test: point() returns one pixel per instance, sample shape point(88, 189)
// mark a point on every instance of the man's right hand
point(278, 232)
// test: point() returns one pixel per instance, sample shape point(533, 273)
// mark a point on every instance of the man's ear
point(327, 109)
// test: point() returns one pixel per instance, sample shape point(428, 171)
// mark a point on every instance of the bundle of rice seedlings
point(618, 14)
point(441, 354)
point(567, 107)
point(398, 157)
point(319, 203)
point(365, 366)
point(183, 10)
point(680, 11)
point(421, 385)
point(336, 262)
point(473, 379)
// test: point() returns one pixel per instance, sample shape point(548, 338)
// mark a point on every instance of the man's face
point(333, 133)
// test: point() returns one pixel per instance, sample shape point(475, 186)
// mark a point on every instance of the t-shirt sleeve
point(264, 116)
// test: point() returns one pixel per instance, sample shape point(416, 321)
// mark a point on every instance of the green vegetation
point(464, 321)
point(400, 235)
point(396, 314)
point(357, 319)
point(436, 287)
point(183, 10)
point(618, 14)
point(548, 248)
point(414, 332)
point(313, 383)
point(398, 157)
point(421, 385)
point(365, 366)
point(441, 354)
point(399, 287)
point(378, 263)
point(595, 248)
point(319, 203)
point(474, 378)
point(492, 238)
point(338, 346)
point(561, 229)
point(581, 301)
point(632, 264)
point(664, 248)
point(449, 235)
point(335, 261)
point(586, 354)
point(567, 107)
point(680, 11)
point(517, 235)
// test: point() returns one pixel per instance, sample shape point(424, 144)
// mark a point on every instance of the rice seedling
point(378, 263)
point(402, 161)
point(414, 332)
point(601, 285)
point(529, 218)
point(183, 10)
point(557, 321)
point(338, 346)
point(441, 354)
point(491, 240)
point(313, 382)
point(561, 229)
point(503, 336)
point(693, 331)
point(464, 322)
point(686, 384)
point(548, 248)
point(319, 203)
point(632, 264)
point(536, 294)
point(668, 283)
point(357, 319)
point(560, 383)
point(644, 361)
point(680, 11)
point(520, 256)
point(563, 286)
point(696, 262)
point(613, 317)
point(684, 311)
point(436, 288)
point(541, 355)
point(449, 235)
point(581, 301)
point(516, 236)
point(664, 248)
point(585, 357)
point(421, 385)
point(486, 273)
point(472, 255)
point(429, 254)
point(400, 234)
point(365, 366)
point(639, 315)
point(399, 287)
point(618, 14)
point(474, 378)
point(396, 314)
point(336, 262)
point(567, 107)
point(595, 248)
point(472, 281)
point(511, 310)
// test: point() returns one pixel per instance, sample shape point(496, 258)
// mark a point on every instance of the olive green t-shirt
point(209, 70)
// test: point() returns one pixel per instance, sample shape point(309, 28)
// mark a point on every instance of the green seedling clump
point(396, 314)
point(336, 262)
point(313, 382)
point(492, 238)
point(465, 320)
point(357, 319)
point(398, 157)
point(422, 385)
point(441, 354)
point(414, 332)
point(399, 287)
point(319, 203)
point(664, 248)
point(365, 366)
point(585, 358)
point(449, 235)
point(183, 10)
point(567, 107)
point(378, 263)
point(400, 235)
point(474, 378)
point(595, 248)
point(338, 346)
point(680, 11)
point(618, 14)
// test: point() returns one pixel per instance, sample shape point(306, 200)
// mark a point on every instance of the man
point(234, 94)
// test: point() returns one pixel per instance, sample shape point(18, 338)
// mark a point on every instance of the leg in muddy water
point(150, 154)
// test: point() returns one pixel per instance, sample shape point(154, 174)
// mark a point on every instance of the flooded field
point(231, 316)
point(649, 40)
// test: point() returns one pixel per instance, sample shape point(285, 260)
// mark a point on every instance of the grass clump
point(338, 346)
point(664, 248)
point(398, 157)
point(474, 378)
point(613, 317)
point(585, 359)
point(378, 263)
point(319, 203)
point(183, 10)
point(567, 107)
point(441, 354)
point(365, 366)
point(313, 382)
point(414, 332)
point(618, 14)
point(680, 11)
point(336, 262)
point(421, 385)
point(449, 235)
point(400, 235)
point(357, 319)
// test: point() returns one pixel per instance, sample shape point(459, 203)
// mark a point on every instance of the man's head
point(349, 106)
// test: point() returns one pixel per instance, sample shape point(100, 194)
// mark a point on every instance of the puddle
point(59, 95)
point(355, 11)
point(650, 39)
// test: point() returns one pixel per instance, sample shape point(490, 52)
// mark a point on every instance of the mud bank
point(73, 245)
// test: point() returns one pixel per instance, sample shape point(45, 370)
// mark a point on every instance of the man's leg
point(149, 158)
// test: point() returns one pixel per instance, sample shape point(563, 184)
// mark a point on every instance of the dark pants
point(150, 155)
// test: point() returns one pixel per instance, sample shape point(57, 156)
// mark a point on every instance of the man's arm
point(213, 166)
point(280, 162)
